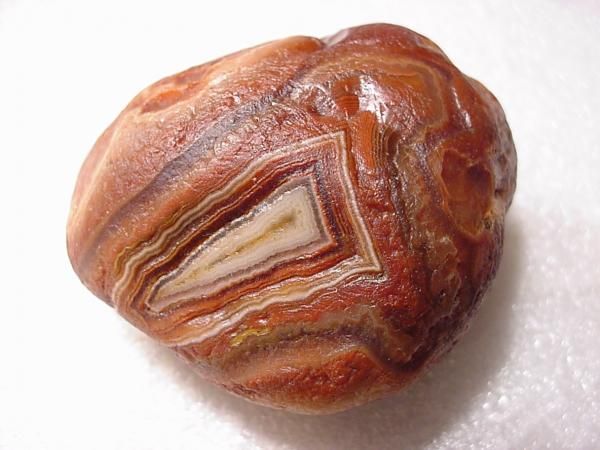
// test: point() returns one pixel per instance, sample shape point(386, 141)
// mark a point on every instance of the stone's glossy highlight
point(309, 222)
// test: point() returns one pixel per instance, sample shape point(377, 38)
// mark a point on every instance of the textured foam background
point(73, 375)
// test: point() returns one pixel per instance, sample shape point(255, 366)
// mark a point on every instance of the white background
point(73, 375)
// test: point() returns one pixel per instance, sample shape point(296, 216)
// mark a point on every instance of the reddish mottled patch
point(163, 100)
point(340, 380)
point(469, 188)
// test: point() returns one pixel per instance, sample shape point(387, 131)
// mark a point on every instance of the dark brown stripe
point(163, 181)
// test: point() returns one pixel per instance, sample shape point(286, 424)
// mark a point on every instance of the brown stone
point(309, 222)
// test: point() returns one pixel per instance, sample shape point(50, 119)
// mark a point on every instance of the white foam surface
point(73, 375)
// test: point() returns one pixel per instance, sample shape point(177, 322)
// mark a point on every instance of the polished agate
point(309, 223)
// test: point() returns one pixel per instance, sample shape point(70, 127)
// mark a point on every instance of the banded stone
point(309, 223)
point(267, 247)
